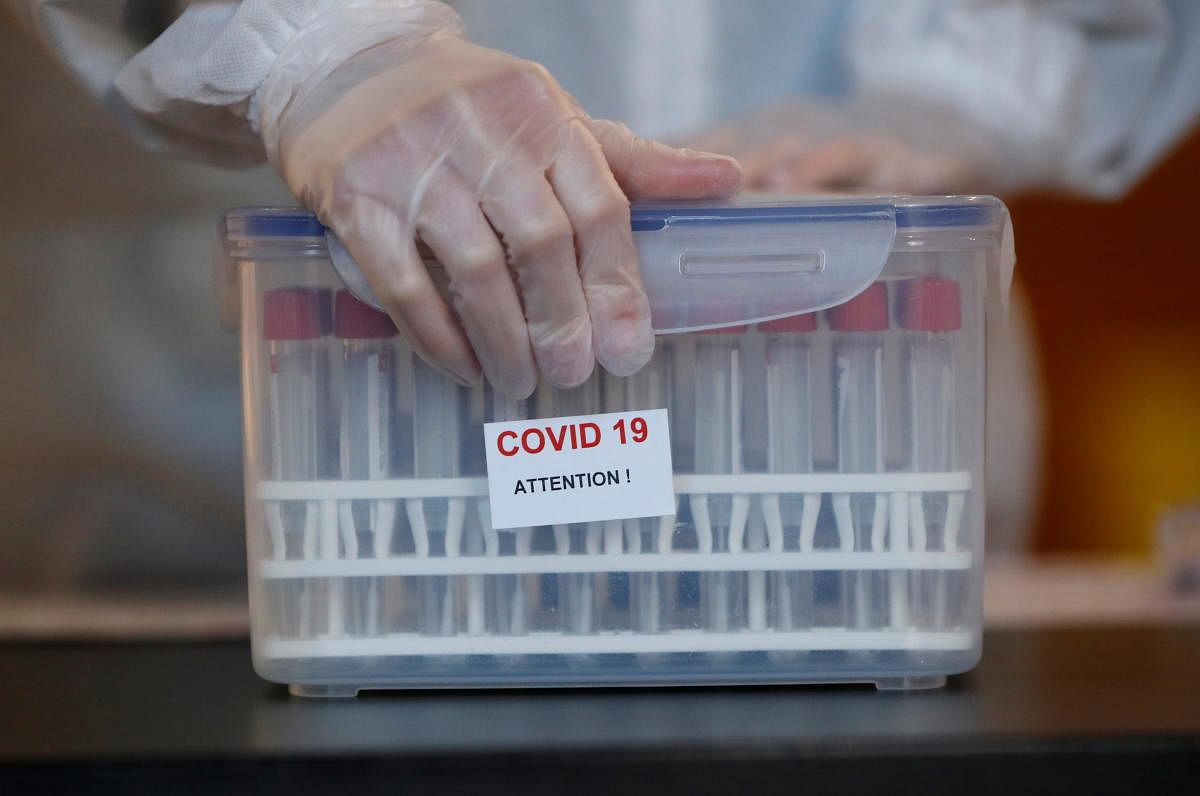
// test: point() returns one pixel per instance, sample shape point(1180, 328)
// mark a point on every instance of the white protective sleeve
point(1081, 95)
point(190, 91)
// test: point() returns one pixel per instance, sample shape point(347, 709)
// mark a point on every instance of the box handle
point(707, 267)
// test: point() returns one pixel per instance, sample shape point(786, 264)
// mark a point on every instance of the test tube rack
point(899, 544)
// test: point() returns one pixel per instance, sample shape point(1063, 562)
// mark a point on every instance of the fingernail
point(464, 378)
point(700, 154)
point(629, 345)
point(518, 388)
point(472, 378)
point(567, 368)
point(569, 380)
point(714, 157)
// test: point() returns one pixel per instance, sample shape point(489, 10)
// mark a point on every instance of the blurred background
point(94, 523)
point(91, 516)
point(1113, 289)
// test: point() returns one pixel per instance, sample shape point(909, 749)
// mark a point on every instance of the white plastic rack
point(899, 551)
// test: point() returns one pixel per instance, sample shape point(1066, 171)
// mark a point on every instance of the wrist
point(331, 37)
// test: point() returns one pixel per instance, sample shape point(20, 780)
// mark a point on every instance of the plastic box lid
point(705, 264)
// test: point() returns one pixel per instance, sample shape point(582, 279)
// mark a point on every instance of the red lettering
point(584, 428)
point(557, 444)
point(533, 440)
point(537, 434)
point(500, 443)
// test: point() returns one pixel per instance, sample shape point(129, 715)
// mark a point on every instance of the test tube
point(791, 519)
point(930, 311)
point(328, 374)
point(576, 599)
point(368, 350)
point(649, 388)
point(511, 612)
point(294, 429)
point(613, 597)
point(437, 424)
point(480, 538)
point(861, 518)
point(720, 519)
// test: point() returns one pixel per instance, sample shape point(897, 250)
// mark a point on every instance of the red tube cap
point(797, 323)
point(866, 312)
point(292, 313)
point(933, 304)
point(325, 308)
point(353, 320)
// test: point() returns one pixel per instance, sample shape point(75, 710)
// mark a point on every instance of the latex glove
point(877, 146)
point(393, 128)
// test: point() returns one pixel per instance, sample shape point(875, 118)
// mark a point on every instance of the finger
point(385, 250)
point(771, 158)
point(608, 263)
point(647, 169)
point(842, 163)
point(541, 250)
point(456, 231)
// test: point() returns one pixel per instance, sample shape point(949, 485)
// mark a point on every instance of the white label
point(588, 468)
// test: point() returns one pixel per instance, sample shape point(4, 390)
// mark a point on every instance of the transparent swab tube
point(791, 519)
point(294, 428)
point(436, 522)
point(613, 590)
point(329, 374)
point(576, 598)
point(929, 310)
point(649, 388)
point(512, 612)
point(720, 519)
point(479, 537)
point(369, 348)
point(861, 518)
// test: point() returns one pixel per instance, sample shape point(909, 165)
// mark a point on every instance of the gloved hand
point(394, 129)
point(867, 146)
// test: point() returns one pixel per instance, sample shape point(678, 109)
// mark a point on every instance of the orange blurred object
point(1115, 293)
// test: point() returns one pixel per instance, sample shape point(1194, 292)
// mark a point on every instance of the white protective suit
point(1081, 95)
point(990, 96)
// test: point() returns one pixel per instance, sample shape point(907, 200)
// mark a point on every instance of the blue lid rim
point(270, 222)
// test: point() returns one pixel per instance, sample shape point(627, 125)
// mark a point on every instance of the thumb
point(648, 169)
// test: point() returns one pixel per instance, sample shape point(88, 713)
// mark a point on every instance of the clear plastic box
point(822, 366)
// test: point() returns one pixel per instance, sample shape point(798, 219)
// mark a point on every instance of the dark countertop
point(1109, 709)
